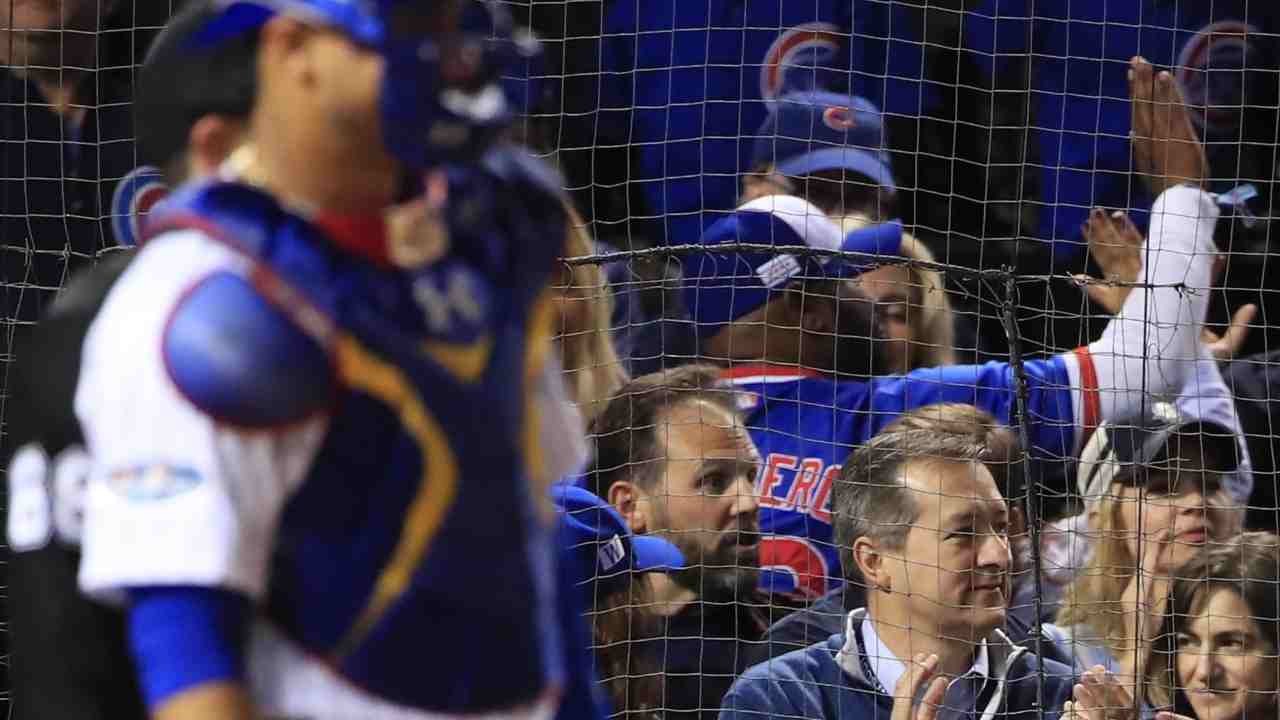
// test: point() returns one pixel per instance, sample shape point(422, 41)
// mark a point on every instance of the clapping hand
point(1116, 245)
point(920, 673)
point(1099, 696)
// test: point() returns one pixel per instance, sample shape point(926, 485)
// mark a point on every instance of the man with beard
point(673, 457)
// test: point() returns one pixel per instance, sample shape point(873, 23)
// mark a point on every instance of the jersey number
point(46, 499)
point(798, 558)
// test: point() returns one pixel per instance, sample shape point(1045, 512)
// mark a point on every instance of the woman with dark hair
point(1222, 635)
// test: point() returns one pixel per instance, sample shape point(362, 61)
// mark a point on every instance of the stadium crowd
point(366, 420)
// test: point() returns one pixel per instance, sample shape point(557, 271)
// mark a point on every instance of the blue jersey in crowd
point(806, 425)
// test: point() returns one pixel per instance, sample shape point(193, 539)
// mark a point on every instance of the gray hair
point(872, 499)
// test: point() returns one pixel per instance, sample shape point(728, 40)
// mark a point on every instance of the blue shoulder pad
point(242, 360)
point(242, 215)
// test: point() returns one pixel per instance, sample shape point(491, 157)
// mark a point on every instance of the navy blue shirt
point(702, 649)
point(814, 683)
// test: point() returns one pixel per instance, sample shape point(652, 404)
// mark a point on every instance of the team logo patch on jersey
point(135, 195)
point(1211, 70)
point(800, 47)
point(150, 483)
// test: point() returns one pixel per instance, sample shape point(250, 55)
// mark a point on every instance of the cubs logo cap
point(358, 19)
point(812, 131)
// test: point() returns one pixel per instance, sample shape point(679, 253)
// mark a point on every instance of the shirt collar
point(981, 664)
point(887, 667)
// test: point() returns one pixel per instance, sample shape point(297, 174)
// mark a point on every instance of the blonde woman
point(1154, 493)
point(918, 318)
point(592, 368)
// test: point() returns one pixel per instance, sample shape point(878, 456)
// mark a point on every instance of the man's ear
point(625, 497)
point(212, 140)
point(871, 564)
point(284, 39)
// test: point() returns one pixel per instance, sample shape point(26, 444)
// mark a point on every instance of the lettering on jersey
point(802, 486)
point(151, 483)
point(810, 40)
point(46, 500)
point(612, 553)
point(798, 485)
point(1210, 71)
point(771, 477)
point(459, 299)
point(820, 501)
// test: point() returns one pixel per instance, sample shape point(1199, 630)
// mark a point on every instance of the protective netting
point(991, 130)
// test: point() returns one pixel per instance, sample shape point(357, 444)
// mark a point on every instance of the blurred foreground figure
point(301, 445)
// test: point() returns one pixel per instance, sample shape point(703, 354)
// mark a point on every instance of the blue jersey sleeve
point(990, 387)
point(185, 637)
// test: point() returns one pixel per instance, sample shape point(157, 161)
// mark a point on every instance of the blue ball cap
point(601, 541)
point(443, 97)
point(722, 285)
point(811, 131)
point(362, 20)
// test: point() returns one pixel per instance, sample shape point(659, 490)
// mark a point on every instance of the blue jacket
point(826, 617)
point(825, 681)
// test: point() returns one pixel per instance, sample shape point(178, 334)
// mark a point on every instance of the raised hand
point(920, 673)
point(1157, 551)
point(1116, 245)
point(1099, 696)
point(1166, 149)
point(1226, 345)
